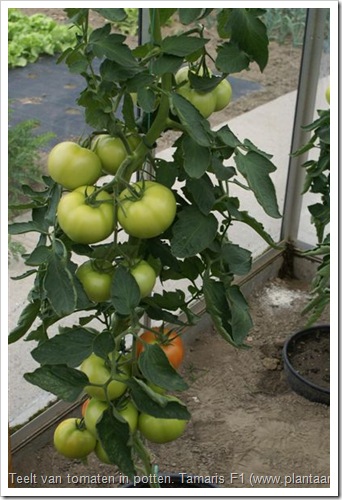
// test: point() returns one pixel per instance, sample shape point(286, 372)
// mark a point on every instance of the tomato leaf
point(114, 437)
point(241, 320)
point(193, 232)
point(146, 99)
point(202, 192)
point(128, 112)
point(182, 45)
point(103, 344)
point(38, 256)
point(155, 366)
point(79, 342)
point(166, 63)
point(230, 59)
point(187, 16)
point(65, 382)
point(255, 167)
point(26, 318)
point(196, 157)
point(125, 293)
point(244, 216)
point(250, 34)
point(196, 126)
point(238, 260)
point(115, 15)
point(26, 227)
point(166, 407)
point(58, 282)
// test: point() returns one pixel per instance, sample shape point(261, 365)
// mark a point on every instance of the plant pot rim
point(287, 362)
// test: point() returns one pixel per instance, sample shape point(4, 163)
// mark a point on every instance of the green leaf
point(26, 318)
point(166, 407)
point(169, 300)
point(256, 168)
point(238, 259)
point(103, 344)
point(241, 321)
point(187, 16)
point(59, 283)
point(193, 232)
point(165, 14)
point(155, 367)
point(222, 172)
point(70, 347)
point(128, 112)
point(204, 83)
point(143, 79)
point(114, 15)
point(230, 59)
point(125, 291)
point(38, 256)
point(202, 192)
point(113, 49)
point(166, 63)
point(196, 157)
point(257, 226)
point(26, 227)
point(218, 308)
point(182, 45)
point(114, 437)
point(228, 137)
point(196, 126)
point(146, 99)
point(61, 380)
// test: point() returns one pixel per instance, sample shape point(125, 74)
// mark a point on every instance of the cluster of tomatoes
point(78, 437)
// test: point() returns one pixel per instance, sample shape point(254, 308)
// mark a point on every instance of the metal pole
point(305, 108)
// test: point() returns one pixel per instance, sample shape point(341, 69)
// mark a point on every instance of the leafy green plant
point(24, 171)
point(286, 25)
point(31, 36)
point(177, 218)
point(317, 181)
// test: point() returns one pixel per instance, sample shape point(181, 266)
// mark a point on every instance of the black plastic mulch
point(47, 92)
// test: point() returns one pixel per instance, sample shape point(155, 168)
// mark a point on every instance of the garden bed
point(245, 418)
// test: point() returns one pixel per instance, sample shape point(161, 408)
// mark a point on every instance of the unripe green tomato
point(204, 102)
point(222, 94)
point(145, 276)
point(101, 454)
point(72, 441)
point(95, 409)
point(98, 373)
point(73, 166)
point(85, 223)
point(327, 94)
point(96, 282)
point(160, 430)
point(112, 152)
point(149, 213)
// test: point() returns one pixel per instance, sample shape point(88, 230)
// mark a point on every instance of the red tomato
point(169, 341)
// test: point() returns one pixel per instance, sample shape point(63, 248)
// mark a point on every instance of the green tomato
point(160, 430)
point(145, 276)
point(204, 102)
point(96, 282)
point(101, 454)
point(98, 373)
point(222, 94)
point(85, 223)
point(327, 94)
point(112, 152)
point(73, 166)
point(148, 213)
point(95, 409)
point(71, 440)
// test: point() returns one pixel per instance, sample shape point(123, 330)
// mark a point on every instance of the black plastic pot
point(299, 383)
point(176, 481)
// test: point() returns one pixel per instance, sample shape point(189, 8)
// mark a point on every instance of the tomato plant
point(73, 440)
point(96, 279)
point(161, 430)
point(82, 221)
point(170, 342)
point(73, 166)
point(148, 217)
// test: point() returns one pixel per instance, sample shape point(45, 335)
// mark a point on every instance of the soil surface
point(246, 421)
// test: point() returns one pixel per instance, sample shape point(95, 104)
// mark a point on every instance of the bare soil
point(246, 421)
